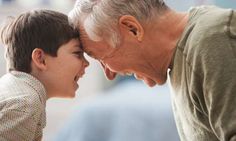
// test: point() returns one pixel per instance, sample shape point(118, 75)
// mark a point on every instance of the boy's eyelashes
point(79, 54)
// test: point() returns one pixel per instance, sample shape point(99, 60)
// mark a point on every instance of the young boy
point(44, 60)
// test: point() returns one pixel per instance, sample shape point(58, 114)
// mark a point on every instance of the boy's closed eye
point(79, 54)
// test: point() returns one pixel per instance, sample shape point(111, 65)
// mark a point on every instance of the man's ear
point(132, 25)
point(38, 58)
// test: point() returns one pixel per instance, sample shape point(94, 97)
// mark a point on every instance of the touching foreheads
point(100, 18)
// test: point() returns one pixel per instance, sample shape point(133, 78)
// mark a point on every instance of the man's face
point(104, 53)
point(125, 59)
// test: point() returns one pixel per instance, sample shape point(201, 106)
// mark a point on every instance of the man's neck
point(169, 29)
point(162, 37)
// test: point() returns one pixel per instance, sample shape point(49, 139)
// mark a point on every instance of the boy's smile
point(64, 70)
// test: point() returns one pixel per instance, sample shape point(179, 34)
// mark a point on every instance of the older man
point(147, 38)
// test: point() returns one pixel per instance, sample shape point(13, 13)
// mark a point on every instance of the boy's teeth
point(76, 78)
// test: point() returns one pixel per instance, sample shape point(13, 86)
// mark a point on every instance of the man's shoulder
point(208, 29)
point(209, 37)
point(204, 24)
point(208, 20)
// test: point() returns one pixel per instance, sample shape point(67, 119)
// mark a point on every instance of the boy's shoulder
point(15, 94)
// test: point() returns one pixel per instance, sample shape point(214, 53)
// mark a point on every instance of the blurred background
point(95, 92)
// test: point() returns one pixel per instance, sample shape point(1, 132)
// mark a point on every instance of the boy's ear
point(132, 25)
point(38, 58)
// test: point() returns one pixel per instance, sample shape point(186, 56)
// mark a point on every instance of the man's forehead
point(84, 47)
point(82, 31)
point(83, 41)
point(89, 51)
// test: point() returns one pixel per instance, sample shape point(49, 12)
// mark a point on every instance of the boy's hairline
point(8, 28)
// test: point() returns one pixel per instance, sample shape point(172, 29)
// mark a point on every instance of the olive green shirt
point(203, 77)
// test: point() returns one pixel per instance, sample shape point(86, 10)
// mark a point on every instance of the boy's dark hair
point(44, 29)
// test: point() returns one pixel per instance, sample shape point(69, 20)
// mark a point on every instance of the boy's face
point(65, 70)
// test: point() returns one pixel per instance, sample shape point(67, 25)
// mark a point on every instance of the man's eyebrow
point(89, 53)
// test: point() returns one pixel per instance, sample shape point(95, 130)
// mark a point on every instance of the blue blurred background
point(120, 110)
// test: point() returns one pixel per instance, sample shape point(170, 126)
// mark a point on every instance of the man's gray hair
point(100, 17)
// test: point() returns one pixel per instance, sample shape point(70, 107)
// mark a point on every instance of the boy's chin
point(64, 95)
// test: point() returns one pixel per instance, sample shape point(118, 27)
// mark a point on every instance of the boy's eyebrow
point(81, 44)
point(78, 47)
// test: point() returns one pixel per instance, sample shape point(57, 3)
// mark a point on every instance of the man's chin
point(149, 82)
point(110, 75)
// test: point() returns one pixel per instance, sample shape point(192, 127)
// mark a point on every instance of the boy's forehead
point(74, 44)
point(78, 46)
point(81, 45)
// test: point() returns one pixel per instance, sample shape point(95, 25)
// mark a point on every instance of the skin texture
point(60, 74)
point(146, 49)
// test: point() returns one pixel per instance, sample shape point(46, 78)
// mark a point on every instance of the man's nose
point(102, 64)
point(86, 63)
